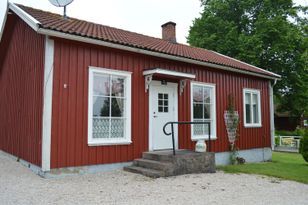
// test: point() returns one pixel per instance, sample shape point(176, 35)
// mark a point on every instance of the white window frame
point(251, 92)
point(127, 132)
point(213, 111)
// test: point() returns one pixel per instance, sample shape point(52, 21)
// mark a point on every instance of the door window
point(163, 104)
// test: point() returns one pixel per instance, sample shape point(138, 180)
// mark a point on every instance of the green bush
point(301, 131)
point(303, 147)
point(277, 139)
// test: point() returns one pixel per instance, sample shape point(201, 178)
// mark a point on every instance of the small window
point(163, 102)
point(252, 108)
point(203, 110)
point(109, 106)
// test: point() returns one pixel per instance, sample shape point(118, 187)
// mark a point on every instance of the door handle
point(155, 116)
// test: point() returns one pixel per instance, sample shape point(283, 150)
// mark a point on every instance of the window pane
point(160, 109)
point(198, 109)
point(247, 107)
point(101, 106)
point(198, 129)
point(117, 86)
point(160, 96)
point(117, 107)
point(255, 108)
point(117, 128)
point(165, 109)
point(254, 99)
point(207, 95)
point(248, 114)
point(197, 94)
point(247, 98)
point(101, 85)
point(207, 111)
point(201, 129)
point(100, 128)
point(166, 96)
point(255, 114)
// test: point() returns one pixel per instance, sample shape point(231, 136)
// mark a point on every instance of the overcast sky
point(141, 16)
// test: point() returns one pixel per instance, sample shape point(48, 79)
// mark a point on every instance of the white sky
point(141, 16)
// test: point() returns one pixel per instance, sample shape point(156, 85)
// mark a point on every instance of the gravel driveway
point(18, 185)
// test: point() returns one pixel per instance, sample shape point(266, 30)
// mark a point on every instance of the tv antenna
point(61, 3)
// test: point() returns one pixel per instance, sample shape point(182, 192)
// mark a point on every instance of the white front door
point(163, 108)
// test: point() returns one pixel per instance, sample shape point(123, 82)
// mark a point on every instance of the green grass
point(288, 166)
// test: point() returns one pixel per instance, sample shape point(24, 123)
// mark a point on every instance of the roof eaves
point(32, 22)
point(266, 71)
point(144, 51)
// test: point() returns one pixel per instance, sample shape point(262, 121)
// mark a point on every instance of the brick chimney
point(168, 32)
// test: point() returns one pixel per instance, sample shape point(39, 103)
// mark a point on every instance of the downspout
point(272, 125)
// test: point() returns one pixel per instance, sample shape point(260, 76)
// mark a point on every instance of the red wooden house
point(74, 93)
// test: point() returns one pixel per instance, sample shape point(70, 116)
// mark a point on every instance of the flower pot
point(200, 146)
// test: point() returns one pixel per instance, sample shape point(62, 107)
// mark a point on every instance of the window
point(109, 107)
point(203, 109)
point(252, 108)
point(306, 123)
point(162, 102)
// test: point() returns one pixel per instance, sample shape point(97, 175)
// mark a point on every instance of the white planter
point(200, 146)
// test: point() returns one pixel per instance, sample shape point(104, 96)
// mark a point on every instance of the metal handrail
point(186, 123)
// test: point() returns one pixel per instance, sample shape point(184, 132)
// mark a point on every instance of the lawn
point(288, 166)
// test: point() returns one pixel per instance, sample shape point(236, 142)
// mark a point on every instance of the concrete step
point(152, 164)
point(157, 156)
point(144, 171)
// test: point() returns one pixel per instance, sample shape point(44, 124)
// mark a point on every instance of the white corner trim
point(146, 52)
point(169, 72)
point(32, 22)
point(271, 101)
point(47, 106)
point(4, 20)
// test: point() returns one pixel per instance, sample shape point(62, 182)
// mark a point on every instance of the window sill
point(252, 126)
point(92, 144)
point(203, 138)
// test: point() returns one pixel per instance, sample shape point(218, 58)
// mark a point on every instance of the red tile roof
point(118, 36)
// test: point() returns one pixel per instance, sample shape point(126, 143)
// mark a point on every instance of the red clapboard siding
point(21, 90)
point(70, 105)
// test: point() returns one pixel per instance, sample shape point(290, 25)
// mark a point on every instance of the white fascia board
point(47, 103)
point(32, 22)
point(4, 21)
point(269, 72)
point(146, 52)
point(169, 72)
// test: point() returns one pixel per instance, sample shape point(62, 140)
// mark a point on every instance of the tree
point(271, 34)
point(303, 149)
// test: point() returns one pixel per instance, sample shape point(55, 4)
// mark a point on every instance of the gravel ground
point(18, 185)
